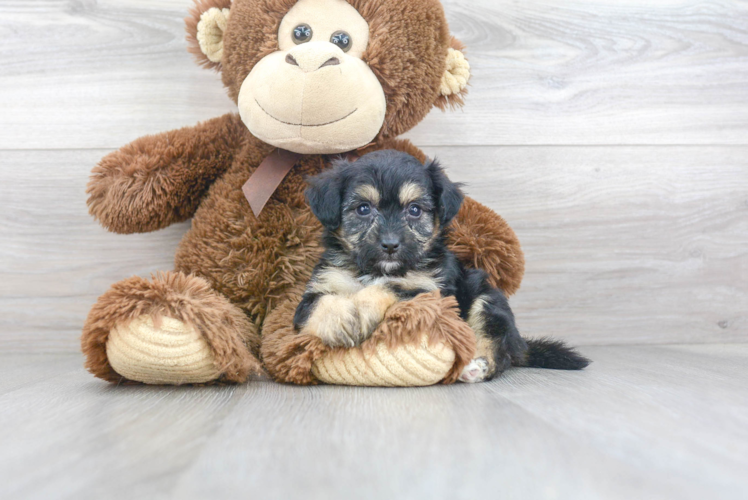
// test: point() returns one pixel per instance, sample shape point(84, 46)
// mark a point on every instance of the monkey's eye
point(415, 211)
point(342, 40)
point(302, 33)
point(363, 209)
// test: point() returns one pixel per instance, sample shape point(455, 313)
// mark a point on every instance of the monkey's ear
point(447, 193)
point(454, 83)
point(206, 26)
point(325, 195)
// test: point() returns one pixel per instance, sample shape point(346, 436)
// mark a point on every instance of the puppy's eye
point(363, 209)
point(415, 211)
point(342, 40)
point(302, 33)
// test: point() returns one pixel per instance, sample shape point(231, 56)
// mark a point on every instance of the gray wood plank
point(99, 74)
point(640, 422)
point(624, 245)
point(72, 436)
point(655, 398)
point(19, 371)
point(599, 72)
point(56, 260)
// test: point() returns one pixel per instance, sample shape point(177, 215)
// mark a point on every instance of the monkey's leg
point(174, 329)
point(288, 355)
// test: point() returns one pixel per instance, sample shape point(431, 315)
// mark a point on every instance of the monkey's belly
point(248, 259)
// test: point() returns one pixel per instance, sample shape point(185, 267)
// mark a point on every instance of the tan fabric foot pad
point(170, 353)
point(407, 365)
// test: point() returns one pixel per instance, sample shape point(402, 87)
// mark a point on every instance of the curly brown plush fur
point(190, 299)
point(158, 180)
point(237, 274)
point(483, 240)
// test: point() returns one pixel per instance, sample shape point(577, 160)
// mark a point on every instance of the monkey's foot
point(421, 341)
point(173, 330)
point(164, 351)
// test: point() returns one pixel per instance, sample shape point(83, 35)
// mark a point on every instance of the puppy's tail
point(553, 354)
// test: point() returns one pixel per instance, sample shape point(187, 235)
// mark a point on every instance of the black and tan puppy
point(386, 216)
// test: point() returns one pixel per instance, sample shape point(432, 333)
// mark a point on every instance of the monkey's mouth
point(304, 124)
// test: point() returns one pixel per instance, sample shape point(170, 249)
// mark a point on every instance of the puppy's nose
point(390, 244)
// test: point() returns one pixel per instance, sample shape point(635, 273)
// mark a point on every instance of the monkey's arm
point(158, 180)
point(482, 239)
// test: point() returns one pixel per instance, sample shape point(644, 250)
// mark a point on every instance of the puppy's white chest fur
point(337, 281)
point(413, 280)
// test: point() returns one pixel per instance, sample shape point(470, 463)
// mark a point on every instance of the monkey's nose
point(333, 61)
point(291, 60)
point(312, 56)
point(390, 244)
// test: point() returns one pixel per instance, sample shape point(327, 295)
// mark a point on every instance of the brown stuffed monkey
point(312, 79)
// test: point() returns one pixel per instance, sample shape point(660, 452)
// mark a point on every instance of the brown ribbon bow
point(274, 168)
point(265, 180)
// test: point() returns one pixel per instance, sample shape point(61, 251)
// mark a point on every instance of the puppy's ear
point(448, 195)
point(325, 194)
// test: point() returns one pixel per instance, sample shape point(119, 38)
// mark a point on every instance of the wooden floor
point(611, 134)
point(641, 423)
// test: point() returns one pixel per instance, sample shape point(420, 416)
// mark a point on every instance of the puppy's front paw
point(335, 321)
point(372, 303)
point(475, 371)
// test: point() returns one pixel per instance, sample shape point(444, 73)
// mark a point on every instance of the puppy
point(386, 218)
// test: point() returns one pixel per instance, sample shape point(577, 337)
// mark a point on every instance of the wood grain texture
point(641, 422)
point(624, 245)
point(55, 258)
point(86, 74)
point(600, 72)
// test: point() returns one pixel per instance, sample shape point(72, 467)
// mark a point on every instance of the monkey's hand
point(161, 179)
point(483, 240)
